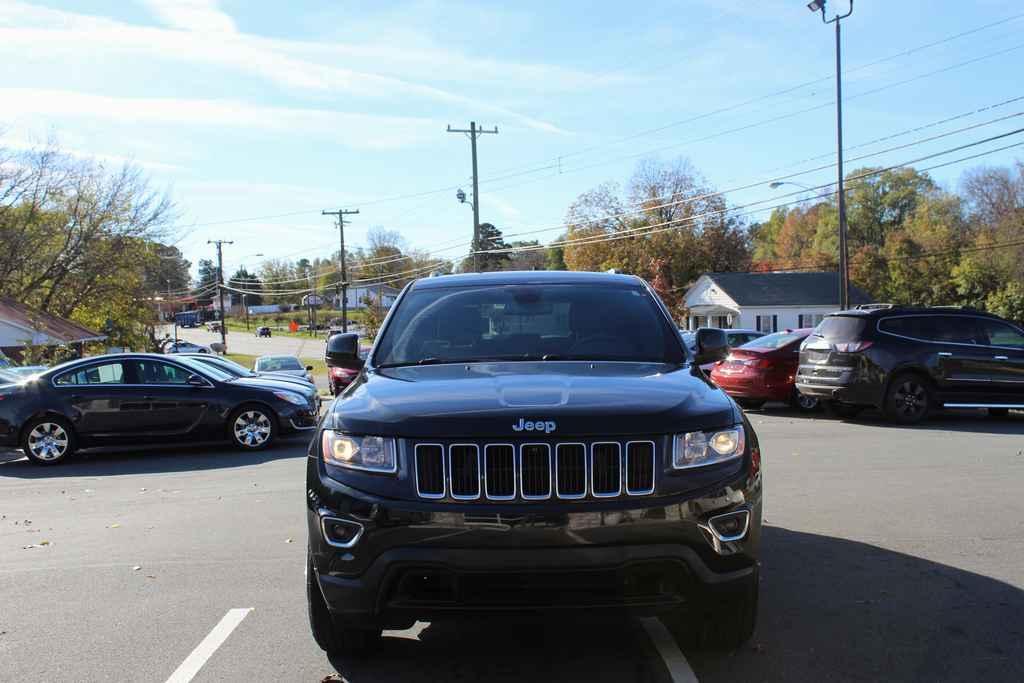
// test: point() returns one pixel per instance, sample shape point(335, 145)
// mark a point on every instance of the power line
point(549, 165)
point(767, 121)
point(640, 208)
point(777, 93)
point(678, 223)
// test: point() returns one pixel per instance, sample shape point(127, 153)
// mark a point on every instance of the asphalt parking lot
point(890, 554)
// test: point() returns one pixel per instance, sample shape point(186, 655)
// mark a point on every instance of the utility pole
point(220, 288)
point(174, 317)
point(341, 213)
point(473, 134)
point(844, 253)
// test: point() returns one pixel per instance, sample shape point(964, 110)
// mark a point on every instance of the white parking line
point(678, 668)
point(204, 650)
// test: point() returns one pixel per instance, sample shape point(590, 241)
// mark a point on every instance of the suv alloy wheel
point(908, 399)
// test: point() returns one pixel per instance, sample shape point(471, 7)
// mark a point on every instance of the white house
point(768, 302)
point(358, 295)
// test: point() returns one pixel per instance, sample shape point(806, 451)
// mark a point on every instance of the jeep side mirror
point(343, 351)
point(712, 346)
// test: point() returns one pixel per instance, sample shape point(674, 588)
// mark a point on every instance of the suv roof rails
point(919, 307)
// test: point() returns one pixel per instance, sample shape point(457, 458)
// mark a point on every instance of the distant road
point(311, 348)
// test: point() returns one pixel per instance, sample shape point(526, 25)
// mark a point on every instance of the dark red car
point(341, 370)
point(339, 378)
point(764, 370)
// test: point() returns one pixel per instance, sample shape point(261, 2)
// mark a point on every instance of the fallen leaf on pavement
point(136, 568)
point(115, 525)
point(288, 540)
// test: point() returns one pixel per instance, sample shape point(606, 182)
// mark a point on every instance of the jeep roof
point(523, 277)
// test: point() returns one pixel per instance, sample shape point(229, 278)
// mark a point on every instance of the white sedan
point(283, 365)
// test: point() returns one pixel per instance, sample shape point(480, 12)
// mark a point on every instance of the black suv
point(909, 361)
point(532, 443)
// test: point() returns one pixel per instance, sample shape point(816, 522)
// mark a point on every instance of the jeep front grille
point(464, 475)
point(430, 470)
point(535, 471)
point(500, 471)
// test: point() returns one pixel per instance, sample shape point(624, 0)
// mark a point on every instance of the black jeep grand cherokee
point(532, 442)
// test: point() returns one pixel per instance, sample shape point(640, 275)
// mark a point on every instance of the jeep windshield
point(535, 322)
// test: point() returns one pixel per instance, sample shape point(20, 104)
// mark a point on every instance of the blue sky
point(247, 109)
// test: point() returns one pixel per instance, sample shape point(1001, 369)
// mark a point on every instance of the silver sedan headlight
point(370, 453)
point(697, 449)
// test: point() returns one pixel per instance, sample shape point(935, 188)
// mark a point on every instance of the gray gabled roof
point(785, 289)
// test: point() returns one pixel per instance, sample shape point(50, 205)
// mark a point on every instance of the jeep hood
point(487, 399)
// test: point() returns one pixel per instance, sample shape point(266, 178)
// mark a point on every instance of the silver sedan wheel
point(48, 441)
point(252, 429)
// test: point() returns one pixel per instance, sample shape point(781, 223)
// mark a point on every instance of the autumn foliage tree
point(82, 241)
point(669, 227)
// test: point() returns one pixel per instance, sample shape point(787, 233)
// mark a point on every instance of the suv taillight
point(852, 347)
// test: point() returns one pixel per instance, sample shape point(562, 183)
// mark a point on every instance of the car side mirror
point(196, 381)
point(309, 368)
point(343, 351)
point(712, 346)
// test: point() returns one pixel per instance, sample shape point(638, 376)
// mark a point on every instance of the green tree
point(555, 255)
point(206, 285)
point(243, 279)
point(489, 239)
point(879, 204)
point(1008, 302)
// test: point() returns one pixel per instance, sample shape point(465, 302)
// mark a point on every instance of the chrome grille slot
point(500, 471)
point(640, 466)
point(571, 470)
point(535, 471)
point(464, 471)
point(605, 469)
point(430, 470)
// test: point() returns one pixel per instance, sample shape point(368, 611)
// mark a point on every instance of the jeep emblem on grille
point(546, 426)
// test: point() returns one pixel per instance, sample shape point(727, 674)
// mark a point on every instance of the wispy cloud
point(204, 16)
point(354, 130)
point(113, 159)
point(291, 64)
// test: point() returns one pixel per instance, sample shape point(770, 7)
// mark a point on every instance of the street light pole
point(844, 255)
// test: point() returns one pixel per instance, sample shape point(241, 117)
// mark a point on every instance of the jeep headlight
point(697, 449)
point(370, 453)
